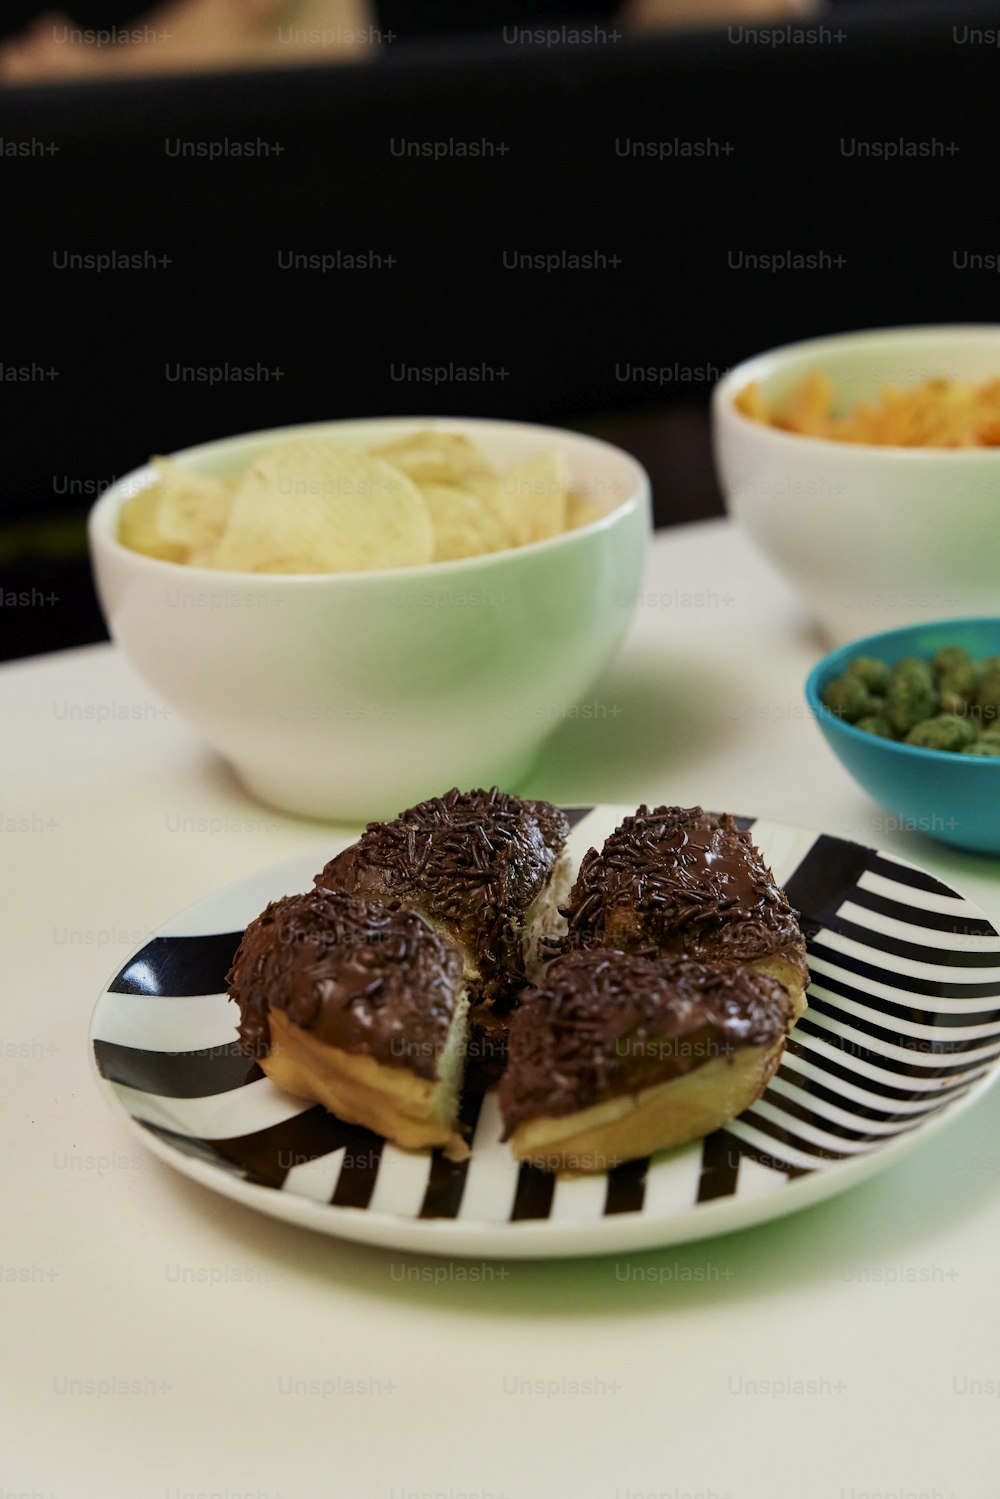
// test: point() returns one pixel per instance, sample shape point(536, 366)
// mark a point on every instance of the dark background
point(570, 342)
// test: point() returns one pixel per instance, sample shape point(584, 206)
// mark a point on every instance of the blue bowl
point(953, 798)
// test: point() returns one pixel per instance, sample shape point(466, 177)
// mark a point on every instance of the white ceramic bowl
point(872, 537)
point(351, 696)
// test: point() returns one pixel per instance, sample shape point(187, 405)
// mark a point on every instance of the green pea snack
point(950, 658)
point(947, 731)
point(848, 697)
point(912, 695)
point(988, 743)
point(958, 685)
point(874, 723)
point(950, 702)
point(874, 674)
point(988, 695)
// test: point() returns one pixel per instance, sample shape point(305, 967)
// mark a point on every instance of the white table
point(116, 1269)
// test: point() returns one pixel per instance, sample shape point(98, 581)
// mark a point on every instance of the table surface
point(163, 1341)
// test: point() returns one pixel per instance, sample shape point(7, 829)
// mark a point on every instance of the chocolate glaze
point(608, 1023)
point(351, 972)
point(471, 862)
point(676, 879)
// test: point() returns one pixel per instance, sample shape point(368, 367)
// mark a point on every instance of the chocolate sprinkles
point(680, 879)
point(472, 862)
point(354, 973)
point(607, 1023)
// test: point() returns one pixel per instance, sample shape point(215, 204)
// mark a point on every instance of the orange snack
point(937, 413)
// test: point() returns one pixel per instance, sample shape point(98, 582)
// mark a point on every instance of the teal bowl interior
point(953, 798)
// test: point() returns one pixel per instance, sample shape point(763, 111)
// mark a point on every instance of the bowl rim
point(740, 374)
point(824, 715)
point(104, 511)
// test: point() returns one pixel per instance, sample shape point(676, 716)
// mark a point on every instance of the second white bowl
point(872, 537)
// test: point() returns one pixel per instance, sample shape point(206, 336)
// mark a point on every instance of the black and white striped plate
point(902, 1033)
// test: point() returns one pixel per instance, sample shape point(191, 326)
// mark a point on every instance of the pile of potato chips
point(935, 414)
point(313, 505)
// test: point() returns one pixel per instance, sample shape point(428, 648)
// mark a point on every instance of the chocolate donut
point(484, 867)
point(360, 1007)
point(681, 880)
point(618, 1055)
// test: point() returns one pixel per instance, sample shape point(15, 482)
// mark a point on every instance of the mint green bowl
point(352, 695)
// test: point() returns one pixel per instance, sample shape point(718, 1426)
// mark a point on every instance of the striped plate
point(902, 1033)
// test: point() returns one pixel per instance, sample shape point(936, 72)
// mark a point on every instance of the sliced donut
point(619, 1055)
point(360, 1007)
point(484, 867)
point(681, 880)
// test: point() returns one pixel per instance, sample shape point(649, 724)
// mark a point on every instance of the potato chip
point(193, 508)
point(433, 457)
point(309, 505)
point(464, 525)
point(529, 498)
point(580, 511)
point(138, 527)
